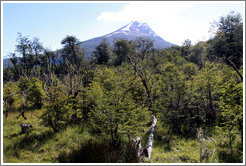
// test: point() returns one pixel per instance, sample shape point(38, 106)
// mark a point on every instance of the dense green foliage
point(100, 104)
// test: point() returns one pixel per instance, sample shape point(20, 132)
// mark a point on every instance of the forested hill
point(128, 103)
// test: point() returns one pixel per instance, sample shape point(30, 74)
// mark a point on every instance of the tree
point(16, 69)
point(70, 43)
point(138, 60)
point(59, 109)
point(173, 98)
point(54, 57)
point(207, 91)
point(73, 68)
point(24, 87)
point(122, 49)
point(103, 53)
point(31, 61)
point(227, 45)
point(10, 96)
point(232, 109)
point(229, 23)
point(44, 64)
point(198, 54)
point(49, 53)
point(29, 51)
point(73, 80)
point(31, 94)
point(186, 47)
point(23, 46)
point(143, 46)
point(114, 111)
point(36, 93)
point(38, 49)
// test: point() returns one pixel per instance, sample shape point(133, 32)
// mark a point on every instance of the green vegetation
point(91, 110)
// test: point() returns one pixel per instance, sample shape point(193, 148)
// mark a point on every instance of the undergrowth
point(75, 144)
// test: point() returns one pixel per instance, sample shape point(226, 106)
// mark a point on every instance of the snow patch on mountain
point(127, 27)
point(134, 28)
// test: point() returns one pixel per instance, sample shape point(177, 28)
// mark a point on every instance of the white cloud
point(167, 18)
point(145, 10)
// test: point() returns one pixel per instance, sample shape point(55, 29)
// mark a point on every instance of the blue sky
point(51, 22)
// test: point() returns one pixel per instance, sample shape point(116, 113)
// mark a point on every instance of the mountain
point(130, 31)
point(6, 62)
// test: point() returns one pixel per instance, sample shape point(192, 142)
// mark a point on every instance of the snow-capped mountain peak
point(131, 31)
point(134, 28)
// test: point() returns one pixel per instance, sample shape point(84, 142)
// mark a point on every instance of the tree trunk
point(240, 129)
point(138, 146)
point(149, 99)
point(149, 144)
point(234, 67)
point(23, 108)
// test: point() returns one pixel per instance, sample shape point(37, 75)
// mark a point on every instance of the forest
point(128, 103)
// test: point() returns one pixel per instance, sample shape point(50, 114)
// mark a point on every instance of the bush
point(36, 93)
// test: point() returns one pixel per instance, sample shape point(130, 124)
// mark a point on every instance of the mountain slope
point(130, 31)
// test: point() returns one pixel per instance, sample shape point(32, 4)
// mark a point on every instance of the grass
point(41, 144)
point(180, 151)
point(75, 144)
point(177, 149)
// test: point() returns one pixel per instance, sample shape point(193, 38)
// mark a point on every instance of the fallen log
point(149, 144)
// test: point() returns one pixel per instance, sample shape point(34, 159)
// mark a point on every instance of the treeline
point(188, 88)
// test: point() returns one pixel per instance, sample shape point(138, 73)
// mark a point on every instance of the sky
point(174, 21)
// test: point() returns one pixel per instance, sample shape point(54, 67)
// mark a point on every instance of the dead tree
point(140, 70)
point(138, 147)
point(149, 144)
point(147, 151)
point(138, 59)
